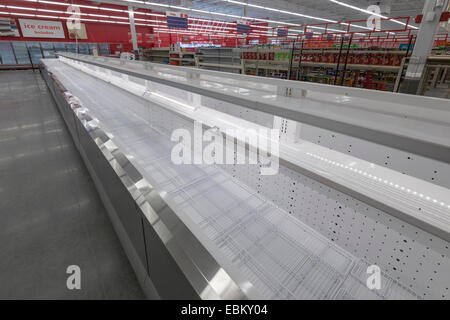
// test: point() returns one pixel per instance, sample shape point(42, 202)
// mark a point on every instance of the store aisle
point(51, 216)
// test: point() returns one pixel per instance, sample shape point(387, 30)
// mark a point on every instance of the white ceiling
point(318, 8)
point(321, 8)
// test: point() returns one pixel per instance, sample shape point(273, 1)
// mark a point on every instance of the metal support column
point(346, 61)
point(424, 43)
point(300, 61)
point(288, 75)
point(133, 32)
point(338, 60)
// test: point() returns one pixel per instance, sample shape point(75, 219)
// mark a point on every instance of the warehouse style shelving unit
point(267, 62)
point(220, 59)
point(364, 68)
point(370, 68)
point(156, 55)
point(374, 68)
point(182, 58)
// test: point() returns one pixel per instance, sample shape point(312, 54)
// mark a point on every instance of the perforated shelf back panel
point(434, 171)
point(417, 259)
point(427, 169)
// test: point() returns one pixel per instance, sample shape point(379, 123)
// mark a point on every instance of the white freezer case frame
point(413, 123)
point(156, 217)
point(417, 202)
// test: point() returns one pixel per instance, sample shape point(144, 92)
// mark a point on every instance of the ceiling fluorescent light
point(20, 8)
point(22, 14)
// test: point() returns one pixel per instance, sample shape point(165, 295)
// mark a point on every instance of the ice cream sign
point(41, 28)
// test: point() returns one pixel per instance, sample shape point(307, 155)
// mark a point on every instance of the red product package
point(383, 60)
point(333, 58)
point(351, 58)
point(364, 59)
point(396, 60)
point(373, 59)
point(387, 60)
point(329, 56)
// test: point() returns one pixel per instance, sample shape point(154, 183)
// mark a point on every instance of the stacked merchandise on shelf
point(267, 61)
point(360, 65)
point(362, 58)
point(373, 68)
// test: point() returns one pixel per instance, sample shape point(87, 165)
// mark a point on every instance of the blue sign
point(404, 46)
point(282, 32)
point(177, 20)
point(243, 27)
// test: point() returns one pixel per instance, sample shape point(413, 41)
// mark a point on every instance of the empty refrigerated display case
point(362, 180)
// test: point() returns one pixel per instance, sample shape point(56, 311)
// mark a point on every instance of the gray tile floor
point(50, 214)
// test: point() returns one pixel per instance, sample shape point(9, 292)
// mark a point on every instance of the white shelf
point(268, 61)
point(230, 66)
point(351, 66)
point(158, 55)
point(209, 56)
point(183, 59)
point(218, 56)
point(344, 51)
